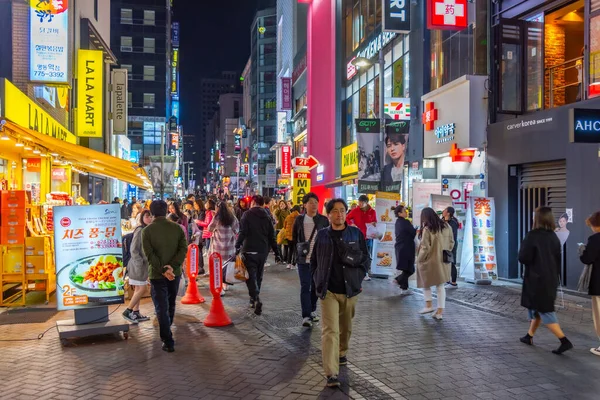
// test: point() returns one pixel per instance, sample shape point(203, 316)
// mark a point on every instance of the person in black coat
point(541, 253)
point(448, 216)
point(404, 248)
point(590, 255)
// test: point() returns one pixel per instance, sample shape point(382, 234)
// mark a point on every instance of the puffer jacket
point(288, 225)
point(321, 261)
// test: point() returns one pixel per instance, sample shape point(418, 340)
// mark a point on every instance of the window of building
point(149, 100)
point(126, 16)
point(149, 45)
point(129, 100)
point(236, 109)
point(129, 69)
point(126, 44)
point(149, 17)
point(149, 72)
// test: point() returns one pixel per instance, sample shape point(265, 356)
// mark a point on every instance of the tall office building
point(141, 41)
point(263, 75)
point(200, 145)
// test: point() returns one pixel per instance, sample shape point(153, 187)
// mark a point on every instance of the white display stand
point(478, 260)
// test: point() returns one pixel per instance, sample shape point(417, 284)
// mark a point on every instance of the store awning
point(82, 159)
point(345, 180)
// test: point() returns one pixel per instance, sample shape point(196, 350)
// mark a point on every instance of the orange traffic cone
point(217, 316)
point(192, 294)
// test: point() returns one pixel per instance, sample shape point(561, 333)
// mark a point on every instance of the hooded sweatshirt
point(257, 234)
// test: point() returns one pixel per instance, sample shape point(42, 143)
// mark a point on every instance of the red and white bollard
point(217, 315)
point(192, 294)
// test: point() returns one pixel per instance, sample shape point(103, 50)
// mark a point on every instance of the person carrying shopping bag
point(433, 264)
point(540, 252)
point(590, 255)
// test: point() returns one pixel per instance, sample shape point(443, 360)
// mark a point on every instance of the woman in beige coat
point(435, 236)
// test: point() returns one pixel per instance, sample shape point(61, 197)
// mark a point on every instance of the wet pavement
point(474, 353)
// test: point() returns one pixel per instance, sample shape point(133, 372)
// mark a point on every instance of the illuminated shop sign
point(49, 41)
point(396, 16)
point(447, 14)
point(585, 125)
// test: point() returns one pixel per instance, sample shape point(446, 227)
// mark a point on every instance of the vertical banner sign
point(49, 41)
point(89, 256)
point(281, 126)
point(286, 93)
point(286, 160)
point(384, 257)
point(478, 261)
point(395, 144)
point(119, 101)
point(396, 16)
point(301, 186)
point(175, 72)
point(89, 93)
point(175, 34)
point(369, 152)
point(162, 178)
point(271, 172)
point(350, 159)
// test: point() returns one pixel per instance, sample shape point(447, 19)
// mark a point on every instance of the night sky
point(214, 37)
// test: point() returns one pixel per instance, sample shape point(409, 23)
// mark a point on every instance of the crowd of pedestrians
point(332, 254)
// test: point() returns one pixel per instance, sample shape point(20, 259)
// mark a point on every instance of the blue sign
point(175, 108)
point(585, 125)
point(175, 34)
point(445, 181)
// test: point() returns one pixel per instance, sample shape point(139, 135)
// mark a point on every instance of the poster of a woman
point(395, 152)
point(562, 232)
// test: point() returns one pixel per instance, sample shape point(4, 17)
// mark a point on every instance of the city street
point(474, 353)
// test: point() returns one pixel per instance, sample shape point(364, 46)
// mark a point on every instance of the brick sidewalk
point(395, 353)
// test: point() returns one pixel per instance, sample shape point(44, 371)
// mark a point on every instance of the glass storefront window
point(363, 102)
point(355, 113)
point(594, 54)
point(387, 81)
point(398, 82)
point(371, 100)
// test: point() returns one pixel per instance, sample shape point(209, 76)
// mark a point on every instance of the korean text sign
point(89, 257)
point(90, 93)
point(49, 41)
point(286, 160)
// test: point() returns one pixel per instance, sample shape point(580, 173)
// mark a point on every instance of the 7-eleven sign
point(447, 14)
point(398, 108)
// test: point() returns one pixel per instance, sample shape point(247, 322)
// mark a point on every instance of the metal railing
point(558, 72)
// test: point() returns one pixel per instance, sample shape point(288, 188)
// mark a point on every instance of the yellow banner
point(350, 159)
point(89, 93)
point(387, 196)
point(301, 186)
point(23, 111)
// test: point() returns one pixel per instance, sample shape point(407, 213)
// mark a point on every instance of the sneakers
point(131, 316)
point(450, 285)
point(565, 345)
point(367, 277)
point(426, 310)
point(307, 322)
point(343, 360)
point(314, 317)
point(333, 381)
point(141, 317)
point(595, 351)
point(258, 307)
point(405, 292)
point(252, 304)
point(527, 340)
point(267, 264)
point(289, 266)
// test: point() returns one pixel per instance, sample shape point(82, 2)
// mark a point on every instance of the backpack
point(127, 239)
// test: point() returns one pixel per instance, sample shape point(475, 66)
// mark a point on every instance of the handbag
point(281, 237)
point(584, 279)
point(303, 248)
point(240, 271)
point(448, 257)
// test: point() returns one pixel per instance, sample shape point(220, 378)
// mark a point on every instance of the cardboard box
point(13, 199)
point(12, 216)
point(12, 235)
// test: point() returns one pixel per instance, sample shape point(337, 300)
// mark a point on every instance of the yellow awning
point(343, 181)
point(83, 159)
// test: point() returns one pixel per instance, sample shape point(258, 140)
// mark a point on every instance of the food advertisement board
point(89, 258)
point(479, 246)
point(384, 257)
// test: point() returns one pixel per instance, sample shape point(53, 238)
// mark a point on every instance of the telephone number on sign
point(49, 74)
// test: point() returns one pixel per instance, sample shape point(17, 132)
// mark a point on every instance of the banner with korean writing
point(286, 93)
point(478, 261)
point(49, 41)
point(88, 256)
point(286, 160)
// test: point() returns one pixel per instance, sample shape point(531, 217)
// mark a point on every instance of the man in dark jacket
point(257, 235)
point(125, 210)
point(448, 216)
point(590, 254)
point(165, 247)
point(338, 282)
point(302, 232)
point(404, 248)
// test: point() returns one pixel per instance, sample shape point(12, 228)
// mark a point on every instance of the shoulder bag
point(303, 248)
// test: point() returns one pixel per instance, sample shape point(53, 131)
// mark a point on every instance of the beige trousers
point(596, 313)
point(337, 312)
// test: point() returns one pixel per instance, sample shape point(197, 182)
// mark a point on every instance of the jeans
point(336, 320)
point(370, 250)
point(441, 295)
point(255, 264)
point(308, 296)
point(291, 254)
point(164, 296)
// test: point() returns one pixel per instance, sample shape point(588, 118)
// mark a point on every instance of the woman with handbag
point(433, 260)
point(590, 255)
point(540, 252)
point(404, 248)
point(224, 228)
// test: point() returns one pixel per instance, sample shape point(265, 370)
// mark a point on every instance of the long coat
point(540, 253)
point(591, 256)
point(431, 269)
point(405, 245)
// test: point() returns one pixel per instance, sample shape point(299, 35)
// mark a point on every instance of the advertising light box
point(49, 41)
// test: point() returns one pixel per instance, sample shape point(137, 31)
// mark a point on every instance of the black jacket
point(405, 245)
point(256, 232)
point(322, 259)
point(454, 225)
point(591, 256)
point(540, 252)
point(298, 229)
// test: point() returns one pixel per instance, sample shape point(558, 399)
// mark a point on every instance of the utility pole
point(162, 161)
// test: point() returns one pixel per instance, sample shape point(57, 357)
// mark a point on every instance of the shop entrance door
point(541, 184)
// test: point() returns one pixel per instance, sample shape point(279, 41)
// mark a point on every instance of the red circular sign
point(65, 221)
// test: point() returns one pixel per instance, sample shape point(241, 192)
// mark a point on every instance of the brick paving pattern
point(474, 353)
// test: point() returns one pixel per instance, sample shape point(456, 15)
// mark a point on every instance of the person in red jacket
point(361, 216)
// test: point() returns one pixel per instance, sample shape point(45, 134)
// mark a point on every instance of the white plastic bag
point(229, 273)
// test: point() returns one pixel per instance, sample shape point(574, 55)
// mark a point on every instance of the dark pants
point(308, 296)
point(164, 296)
point(370, 250)
point(255, 264)
point(291, 254)
point(402, 279)
point(454, 273)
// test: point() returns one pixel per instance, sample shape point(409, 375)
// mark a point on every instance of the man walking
point(256, 236)
point(165, 247)
point(448, 216)
point(339, 262)
point(304, 233)
point(361, 216)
